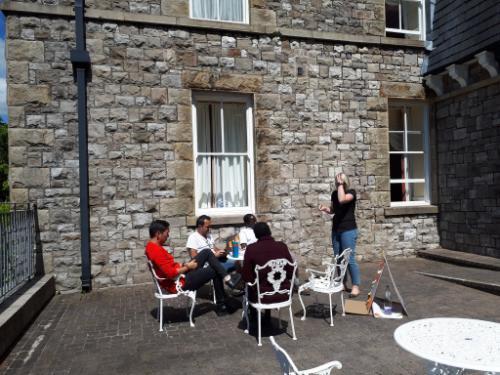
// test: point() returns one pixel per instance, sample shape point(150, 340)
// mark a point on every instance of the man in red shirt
point(196, 275)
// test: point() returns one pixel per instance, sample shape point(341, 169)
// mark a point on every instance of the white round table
point(456, 342)
point(241, 255)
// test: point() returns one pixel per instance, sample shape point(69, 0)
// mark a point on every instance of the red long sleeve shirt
point(165, 266)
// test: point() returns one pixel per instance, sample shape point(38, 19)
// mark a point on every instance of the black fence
point(17, 246)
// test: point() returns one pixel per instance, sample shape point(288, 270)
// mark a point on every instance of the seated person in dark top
point(196, 275)
point(259, 253)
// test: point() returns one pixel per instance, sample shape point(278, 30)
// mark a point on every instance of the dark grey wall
point(468, 139)
point(463, 28)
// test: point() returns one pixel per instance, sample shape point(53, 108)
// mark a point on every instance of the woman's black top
point(344, 218)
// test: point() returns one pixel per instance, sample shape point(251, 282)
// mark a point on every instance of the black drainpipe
point(80, 59)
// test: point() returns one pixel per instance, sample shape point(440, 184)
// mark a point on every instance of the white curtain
point(205, 9)
point(225, 10)
point(222, 179)
point(231, 10)
point(235, 127)
point(209, 140)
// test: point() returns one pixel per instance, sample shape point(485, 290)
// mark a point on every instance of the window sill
point(219, 220)
point(411, 210)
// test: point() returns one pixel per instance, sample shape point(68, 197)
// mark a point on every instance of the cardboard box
point(356, 307)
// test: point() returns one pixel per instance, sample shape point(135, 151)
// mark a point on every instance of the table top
point(241, 255)
point(464, 343)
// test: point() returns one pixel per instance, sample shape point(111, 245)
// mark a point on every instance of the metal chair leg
point(291, 321)
point(259, 321)
point(193, 298)
point(245, 307)
point(342, 299)
point(331, 314)
point(161, 315)
point(302, 303)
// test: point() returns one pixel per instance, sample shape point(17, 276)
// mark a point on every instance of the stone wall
point(310, 123)
point(468, 129)
point(351, 17)
point(361, 17)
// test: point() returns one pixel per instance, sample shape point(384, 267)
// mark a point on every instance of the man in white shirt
point(201, 240)
point(246, 235)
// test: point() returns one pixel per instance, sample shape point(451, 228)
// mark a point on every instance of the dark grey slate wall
point(468, 131)
point(463, 28)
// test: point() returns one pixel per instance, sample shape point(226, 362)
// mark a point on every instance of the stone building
point(222, 108)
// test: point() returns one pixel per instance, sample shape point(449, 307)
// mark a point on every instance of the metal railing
point(17, 246)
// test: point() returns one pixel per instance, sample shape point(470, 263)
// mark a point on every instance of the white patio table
point(241, 255)
point(452, 345)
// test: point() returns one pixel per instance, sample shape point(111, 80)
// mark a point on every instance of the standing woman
point(344, 229)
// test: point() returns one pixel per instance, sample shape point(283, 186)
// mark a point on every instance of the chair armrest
point(251, 284)
point(178, 285)
point(315, 272)
point(323, 369)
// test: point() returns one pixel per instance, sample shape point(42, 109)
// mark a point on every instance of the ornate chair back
point(276, 275)
point(156, 278)
point(338, 269)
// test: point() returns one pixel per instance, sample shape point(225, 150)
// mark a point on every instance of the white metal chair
point(329, 282)
point(162, 295)
point(289, 368)
point(276, 275)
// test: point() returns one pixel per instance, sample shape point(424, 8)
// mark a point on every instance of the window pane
point(209, 127)
point(410, 15)
point(392, 14)
point(397, 166)
point(204, 9)
point(235, 130)
point(415, 118)
point(231, 187)
point(396, 119)
point(398, 193)
point(396, 141)
point(204, 181)
point(222, 181)
point(407, 192)
point(416, 192)
point(232, 10)
point(415, 142)
point(416, 166)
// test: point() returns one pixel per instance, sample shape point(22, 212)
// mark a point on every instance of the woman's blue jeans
point(342, 241)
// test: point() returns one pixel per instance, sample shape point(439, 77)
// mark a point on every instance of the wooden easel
point(364, 308)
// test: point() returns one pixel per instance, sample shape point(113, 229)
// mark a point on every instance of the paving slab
point(114, 331)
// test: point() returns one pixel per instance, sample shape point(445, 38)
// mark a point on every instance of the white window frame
point(426, 152)
point(232, 98)
point(246, 12)
point(421, 21)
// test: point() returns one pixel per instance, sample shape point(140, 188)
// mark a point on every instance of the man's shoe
point(221, 310)
point(234, 280)
point(237, 292)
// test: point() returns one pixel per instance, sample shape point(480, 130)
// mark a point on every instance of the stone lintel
point(435, 83)
point(13, 7)
point(459, 73)
point(487, 60)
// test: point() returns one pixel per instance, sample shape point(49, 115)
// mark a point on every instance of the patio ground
point(114, 331)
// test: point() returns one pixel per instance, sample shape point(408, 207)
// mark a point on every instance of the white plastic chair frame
point(276, 267)
point(328, 282)
point(289, 368)
point(161, 295)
